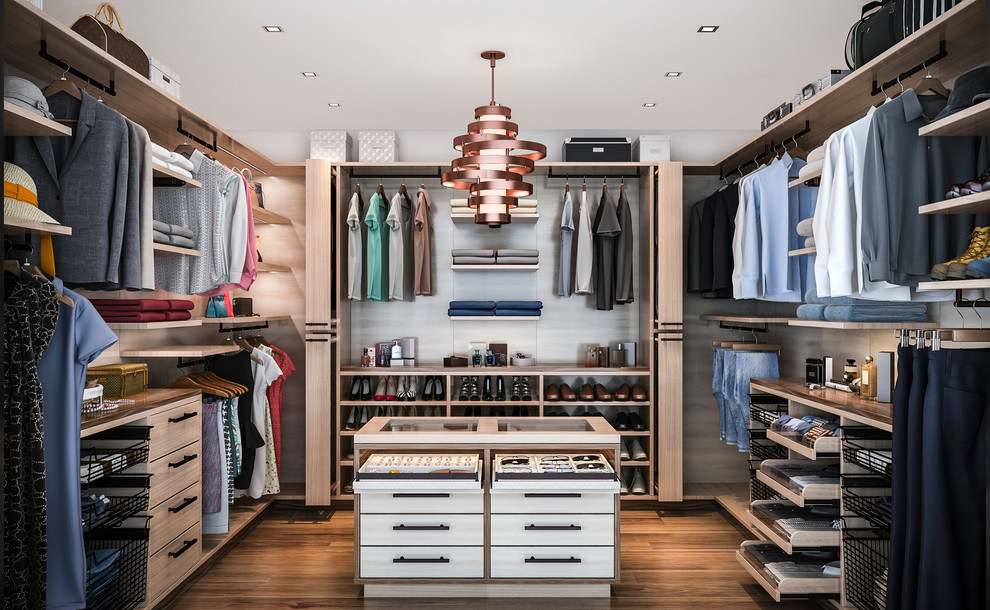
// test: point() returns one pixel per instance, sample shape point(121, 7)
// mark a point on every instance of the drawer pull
point(402, 527)
point(181, 507)
point(551, 495)
point(183, 461)
point(421, 560)
point(188, 545)
point(553, 560)
point(415, 495)
point(569, 528)
point(185, 416)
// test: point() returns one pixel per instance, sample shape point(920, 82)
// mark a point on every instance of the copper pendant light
point(488, 168)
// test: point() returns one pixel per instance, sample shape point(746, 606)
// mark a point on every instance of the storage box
point(333, 145)
point(651, 148)
point(829, 79)
point(455, 362)
point(120, 380)
point(163, 77)
point(585, 150)
point(378, 147)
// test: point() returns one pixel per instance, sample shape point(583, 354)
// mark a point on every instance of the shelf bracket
point(187, 363)
point(44, 54)
point(199, 141)
point(942, 54)
point(762, 328)
point(235, 329)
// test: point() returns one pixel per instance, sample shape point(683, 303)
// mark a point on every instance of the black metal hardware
point(577, 174)
point(421, 560)
point(185, 460)
point(43, 53)
point(551, 495)
point(185, 416)
point(188, 545)
point(961, 302)
point(199, 141)
point(753, 328)
point(409, 528)
point(235, 329)
point(316, 340)
point(672, 339)
point(766, 151)
point(942, 53)
point(317, 324)
point(570, 528)
point(181, 507)
point(420, 495)
point(438, 175)
point(552, 560)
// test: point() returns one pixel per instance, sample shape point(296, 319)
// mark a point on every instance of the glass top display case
point(486, 431)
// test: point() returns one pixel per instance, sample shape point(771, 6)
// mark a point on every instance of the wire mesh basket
point(866, 555)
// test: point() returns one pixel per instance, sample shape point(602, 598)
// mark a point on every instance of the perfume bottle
point(868, 379)
point(476, 358)
point(850, 372)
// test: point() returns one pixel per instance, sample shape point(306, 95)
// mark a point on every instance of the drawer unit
point(427, 501)
point(556, 501)
point(174, 429)
point(423, 530)
point(171, 563)
point(422, 562)
point(553, 562)
point(173, 473)
point(174, 516)
point(554, 530)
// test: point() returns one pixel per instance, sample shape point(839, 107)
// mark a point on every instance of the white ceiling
point(401, 64)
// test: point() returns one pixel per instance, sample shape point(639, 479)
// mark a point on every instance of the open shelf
point(393, 403)
point(468, 219)
point(180, 351)
point(860, 325)
point(746, 319)
point(973, 121)
point(800, 182)
point(813, 493)
point(155, 325)
point(788, 588)
point(495, 267)
point(980, 284)
point(844, 404)
point(561, 370)
point(166, 172)
point(268, 217)
point(141, 405)
point(802, 251)
point(247, 319)
point(978, 203)
point(798, 540)
point(20, 225)
point(169, 250)
point(19, 121)
point(495, 318)
point(825, 446)
point(273, 268)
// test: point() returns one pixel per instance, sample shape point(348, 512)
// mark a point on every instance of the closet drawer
point(556, 530)
point(422, 530)
point(557, 501)
point(422, 562)
point(175, 429)
point(173, 561)
point(553, 562)
point(174, 472)
point(174, 516)
point(426, 501)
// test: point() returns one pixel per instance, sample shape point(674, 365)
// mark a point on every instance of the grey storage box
point(591, 150)
point(333, 145)
point(378, 147)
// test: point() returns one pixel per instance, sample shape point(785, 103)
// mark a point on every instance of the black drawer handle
point(402, 527)
point(185, 416)
point(553, 560)
point(414, 495)
point(188, 545)
point(421, 560)
point(184, 460)
point(551, 528)
point(539, 495)
point(317, 340)
point(666, 339)
point(181, 507)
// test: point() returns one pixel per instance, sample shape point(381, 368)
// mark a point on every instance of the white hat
point(20, 196)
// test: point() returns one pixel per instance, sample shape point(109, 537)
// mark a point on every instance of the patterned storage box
point(378, 147)
point(163, 77)
point(120, 380)
point(333, 145)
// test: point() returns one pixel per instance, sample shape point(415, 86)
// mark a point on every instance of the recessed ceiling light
point(649, 104)
point(309, 74)
point(672, 74)
point(273, 28)
point(708, 29)
point(334, 104)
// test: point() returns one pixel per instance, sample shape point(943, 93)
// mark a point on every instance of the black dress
point(605, 230)
point(237, 368)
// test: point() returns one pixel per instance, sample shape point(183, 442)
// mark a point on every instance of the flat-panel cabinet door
point(319, 246)
point(319, 418)
point(670, 415)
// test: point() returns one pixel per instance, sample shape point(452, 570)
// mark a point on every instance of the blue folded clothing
point(517, 312)
point(519, 305)
point(811, 297)
point(470, 312)
point(472, 305)
point(811, 312)
point(877, 313)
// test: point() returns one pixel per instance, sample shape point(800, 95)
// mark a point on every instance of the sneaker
point(623, 488)
point(979, 247)
point(637, 451)
point(978, 269)
point(638, 486)
point(623, 452)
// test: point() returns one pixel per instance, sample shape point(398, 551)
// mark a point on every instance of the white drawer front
point(558, 501)
point(553, 530)
point(422, 530)
point(553, 562)
point(430, 502)
point(422, 562)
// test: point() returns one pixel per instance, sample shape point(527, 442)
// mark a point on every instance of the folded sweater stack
point(473, 257)
point(471, 308)
point(518, 308)
point(143, 310)
point(491, 308)
point(459, 207)
point(174, 235)
point(172, 160)
point(517, 256)
point(847, 309)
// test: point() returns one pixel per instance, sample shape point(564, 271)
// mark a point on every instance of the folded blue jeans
point(470, 312)
point(517, 312)
point(877, 313)
point(811, 312)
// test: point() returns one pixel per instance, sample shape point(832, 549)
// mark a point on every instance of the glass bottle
point(476, 358)
point(850, 372)
point(868, 379)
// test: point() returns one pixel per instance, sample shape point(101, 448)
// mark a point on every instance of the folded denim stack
point(171, 160)
point(459, 207)
point(516, 256)
point(518, 308)
point(473, 257)
point(143, 310)
point(809, 428)
point(847, 309)
point(471, 308)
point(173, 235)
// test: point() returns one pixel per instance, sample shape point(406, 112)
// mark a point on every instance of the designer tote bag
point(99, 29)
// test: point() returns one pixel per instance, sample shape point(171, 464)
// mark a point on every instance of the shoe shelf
point(347, 463)
point(977, 203)
point(980, 284)
point(789, 542)
point(860, 325)
point(495, 268)
point(169, 250)
point(371, 402)
point(633, 432)
point(268, 217)
point(803, 182)
point(165, 172)
point(802, 251)
point(814, 493)
point(973, 121)
point(19, 121)
point(21, 225)
point(632, 462)
point(597, 403)
point(495, 403)
point(825, 446)
point(180, 351)
point(787, 588)
point(559, 370)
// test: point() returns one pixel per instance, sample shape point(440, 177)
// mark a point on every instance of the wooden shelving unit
point(468, 219)
point(802, 251)
point(789, 588)
point(169, 250)
point(746, 319)
point(179, 351)
point(20, 225)
point(825, 446)
point(495, 267)
point(19, 121)
point(846, 405)
point(273, 268)
point(860, 325)
point(155, 325)
point(980, 284)
point(166, 172)
point(970, 204)
point(247, 319)
point(561, 370)
point(802, 182)
point(268, 217)
point(973, 121)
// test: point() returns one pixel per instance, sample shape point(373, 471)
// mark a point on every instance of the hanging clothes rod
point(43, 53)
point(577, 174)
point(942, 53)
point(187, 363)
point(961, 302)
point(754, 329)
point(766, 151)
point(235, 329)
point(354, 176)
point(202, 142)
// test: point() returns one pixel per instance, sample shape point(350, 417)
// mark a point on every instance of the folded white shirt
point(175, 168)
point(179, 161)
point(160, 151)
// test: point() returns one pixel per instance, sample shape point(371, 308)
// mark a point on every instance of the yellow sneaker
point(979, 247)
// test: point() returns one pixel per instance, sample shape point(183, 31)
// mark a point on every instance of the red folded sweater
point(136, 316)
point(142, 304)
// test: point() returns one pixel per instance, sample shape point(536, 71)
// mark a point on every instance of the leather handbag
point(257, 186)
point(881, 26)
point(243, 306)
point(99, 29)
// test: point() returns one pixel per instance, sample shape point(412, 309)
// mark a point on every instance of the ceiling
point(571, 64)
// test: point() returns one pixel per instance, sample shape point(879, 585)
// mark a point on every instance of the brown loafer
point(587, 392)
point(566, 393)
point(623, 392)
point(638, 393)
point(601, 393)
point(552, 393)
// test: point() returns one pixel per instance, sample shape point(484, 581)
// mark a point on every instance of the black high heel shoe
point(356, 388)
point(486, 395)
point(499, 388)
point(366, 387)
point(438, 391)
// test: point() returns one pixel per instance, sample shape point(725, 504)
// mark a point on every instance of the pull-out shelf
point(824, 447)
point(787, 588)
point(786, 541)
point(811, 493)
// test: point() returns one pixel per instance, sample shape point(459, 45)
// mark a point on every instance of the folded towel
point(159, 162)
point(517, 260)
point(162, 227)
point(516, 252)
point(811, 296)
point(180, 305)
point(876, 313)
point(817, 154)
point(473, 260)
point(527, 203)
point(811, 312)
point(521, 210)
point(180, 231)
point(182, 242)
point(159, 237)
point(519, 305)
point(470, 312)
point(472, 305)
point(463, 252)
point(809, 242)
point(177, 315)
point(131, 304)
point(804, 227)
point(811, 168)
point(463, 203)
point(160, 152)
point(458, 203)
point(179, 161)
point(134, 316)
point(180, 170)
point(517, 312)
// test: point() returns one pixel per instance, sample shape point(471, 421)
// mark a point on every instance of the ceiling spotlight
point(708, 29)
point(309, 74)
point(273, 28)
point(649, 104)
point(672, 74)
point(334, 104)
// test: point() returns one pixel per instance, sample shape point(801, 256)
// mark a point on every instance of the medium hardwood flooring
point(304, 558)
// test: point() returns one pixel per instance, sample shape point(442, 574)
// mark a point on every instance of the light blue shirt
point(777, 270)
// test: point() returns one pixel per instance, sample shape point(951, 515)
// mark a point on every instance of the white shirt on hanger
point(264, 374)
point(355, 248)
point(584, 264)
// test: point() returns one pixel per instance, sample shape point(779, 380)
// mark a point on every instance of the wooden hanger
point(17, 268)
point(796, 152)
point(185, 148)
point(567, 187)
point(604, 186)
point(380, 191)
point(63, 85)
point(357, 189)
point(756, 347)
point(930, 84)
point(402, 188)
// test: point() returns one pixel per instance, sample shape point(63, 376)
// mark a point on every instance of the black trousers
point(898, 533)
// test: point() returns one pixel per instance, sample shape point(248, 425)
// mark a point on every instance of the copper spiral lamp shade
point(493, 160)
